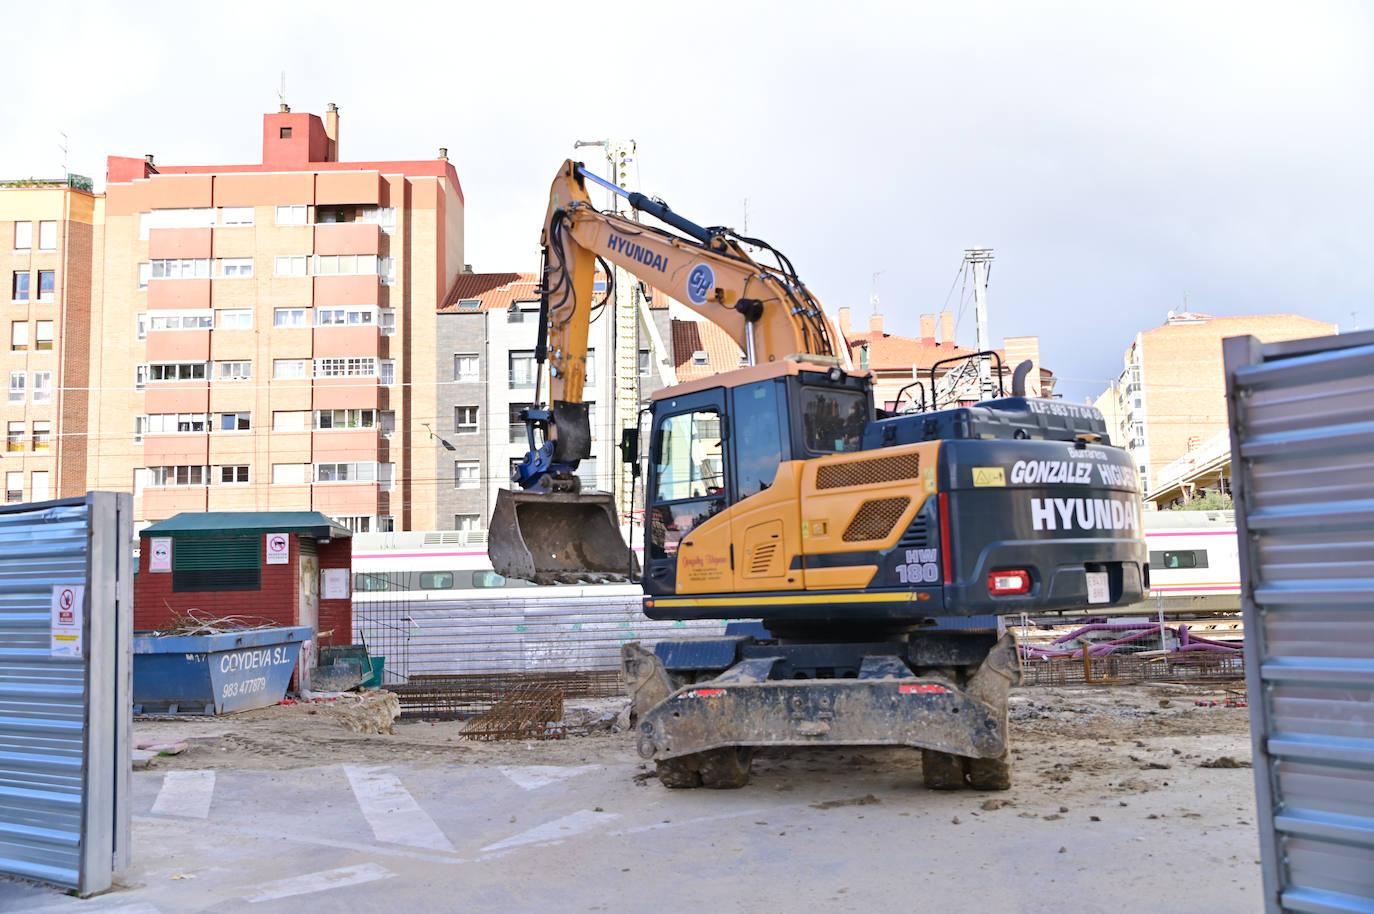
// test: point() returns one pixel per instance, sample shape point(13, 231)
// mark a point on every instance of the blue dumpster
point(213, 674)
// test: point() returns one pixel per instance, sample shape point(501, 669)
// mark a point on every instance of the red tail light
point(1009, 583)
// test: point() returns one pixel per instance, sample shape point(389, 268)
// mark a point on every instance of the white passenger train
point(1194, 561)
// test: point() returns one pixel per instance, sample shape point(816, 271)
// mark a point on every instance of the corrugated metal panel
point(1302, 426)
point(65, 721)
point(42, 698)
point(215, 553)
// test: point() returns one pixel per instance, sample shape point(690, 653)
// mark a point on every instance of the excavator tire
point(942, 771)
point(725, 769)
point(989, 773)
point(680, 772)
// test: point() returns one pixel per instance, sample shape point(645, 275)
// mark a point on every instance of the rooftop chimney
point(928, 329)
point(947, 328)
point(443, 153)
point(331, 131)
point(467, 268)
point(148, 158)
point(284, 108)
point(844, 323)
point(875, 324)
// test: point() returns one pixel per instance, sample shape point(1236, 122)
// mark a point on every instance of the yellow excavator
point(877, 550)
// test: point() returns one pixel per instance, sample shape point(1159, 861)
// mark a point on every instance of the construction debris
point(524, 713)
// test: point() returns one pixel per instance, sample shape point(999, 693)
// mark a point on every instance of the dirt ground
point(1066, 740)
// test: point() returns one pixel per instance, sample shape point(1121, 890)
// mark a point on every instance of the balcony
point(348, 238)
point(176, 449)
point(347, 393)
point(349, 289)
point(186, 294)
point(179, 243)
point(178, 346)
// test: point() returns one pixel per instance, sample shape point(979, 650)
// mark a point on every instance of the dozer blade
point(558, 538)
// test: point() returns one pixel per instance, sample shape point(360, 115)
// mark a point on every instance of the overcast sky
point(1117, 156)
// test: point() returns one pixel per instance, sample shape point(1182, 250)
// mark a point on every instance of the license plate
point(1098, 591)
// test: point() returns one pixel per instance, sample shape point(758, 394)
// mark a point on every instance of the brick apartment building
point(487, 329)
point(49, 230)
point(267, 331)
point(1171, 396)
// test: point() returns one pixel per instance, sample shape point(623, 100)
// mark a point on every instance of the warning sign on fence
point(67, 620)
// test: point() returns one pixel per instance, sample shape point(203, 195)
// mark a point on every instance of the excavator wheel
point(989, 773)
point(726, 769)
point(942, 771)
point(679, 772)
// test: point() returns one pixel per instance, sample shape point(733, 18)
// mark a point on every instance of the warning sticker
point(989, 476)
point(68, 602)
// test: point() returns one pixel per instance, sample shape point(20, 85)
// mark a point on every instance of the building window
point(145, 273)
point(181, 268)
point(236, 215)
point(466, 367)
point(16, 387)
point(39, 482)
point(345, 472)
point(356, 523)
point(386, 475)
point(285, 133)
point(23, 236)
point(235, 371)
point(19, 286)
point(47, 236)
point(14, 436)
point(386, 523)
point(345, 264)
point(14, 487)
point(522, 368)
point(386, 269)
point(388, 422)
point(189, 217)
point(643, 364)
point(291, 215)
point(469, 304)
point(47, 285)
point(290, 369)
point(289, 420)
point(468, 523)
point(19, 336)
point(234, 319)
point(591, 420)
point(236, 267)
point(591, 366)
point(290, 265)
point(345, 418)
point(517, 425)
point(140, 428)
point(465, 420)
point(172, 423)
point(196, 320)
point(177, 371)
point(288, 474)
point(232, 475)
point(466, 474)
point(235, 422)
point(388, 321)
point(364, 367)
point(140, 377)
point(179, 476)
point(699, 357)
point(289, 317)
point(42, 436)
point(586, 471)
point(384, 216)
point(42, 335)
point(388, 371)
point(42, 387)
point(337, 317)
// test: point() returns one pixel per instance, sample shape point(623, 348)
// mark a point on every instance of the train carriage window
point(1183, 558)
point(436, 580)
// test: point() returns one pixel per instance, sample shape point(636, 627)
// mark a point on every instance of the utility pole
point(980, 260)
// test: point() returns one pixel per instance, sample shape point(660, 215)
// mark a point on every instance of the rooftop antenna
point(281, 91)
point(746, 216)
point(63, 146)
point(873, 297)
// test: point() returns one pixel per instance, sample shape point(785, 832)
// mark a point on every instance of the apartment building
point(1171, 396)
point(267, 330)
point(487, 331)
point(49, 230)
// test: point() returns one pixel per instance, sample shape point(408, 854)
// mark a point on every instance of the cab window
point(833, 420)
point(689, 461)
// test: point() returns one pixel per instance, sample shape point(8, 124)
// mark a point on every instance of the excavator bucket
point(558, 538)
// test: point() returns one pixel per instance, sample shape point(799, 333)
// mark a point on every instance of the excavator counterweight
point(558, 538)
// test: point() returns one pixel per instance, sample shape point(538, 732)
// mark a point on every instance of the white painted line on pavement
point(676, 823)
point(557, 830)
point(319, 882)
point(392, 811)
point(185, 793)
point(531, 777)
point(276, 834)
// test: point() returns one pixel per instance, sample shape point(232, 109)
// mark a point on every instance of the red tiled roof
point(494, 290)
point(691, 337)
point(887, 352)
